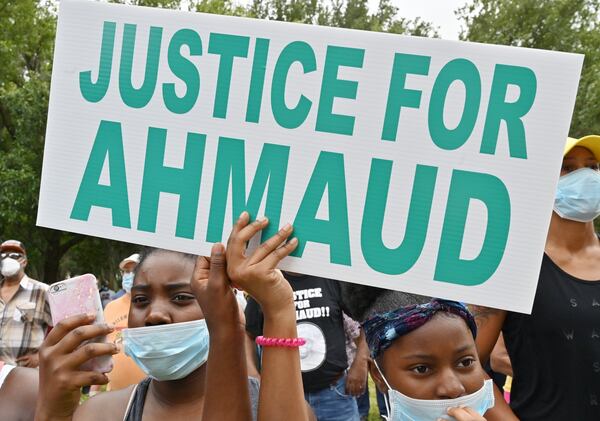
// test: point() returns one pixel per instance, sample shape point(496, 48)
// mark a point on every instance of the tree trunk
point(58, 244)
point(52, 256)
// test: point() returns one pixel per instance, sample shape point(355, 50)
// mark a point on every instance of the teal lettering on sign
point(490, 190)
point(185, 70)
point(398, 95)
point(184, 182)
point(466, 72)
point(108, 146)
point(257, 80)
point(139, 97)
point(511, 113)
point(394, 261)
point(228, 47)
point(231, 167)
point(94, 92)
point(327, 174)
point(332, 88)
point(300, 52)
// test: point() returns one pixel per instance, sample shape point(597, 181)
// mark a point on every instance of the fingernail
point(287, 227)
point(262, 220)
point(293, 240)
point(217, 249)
point(242, 215)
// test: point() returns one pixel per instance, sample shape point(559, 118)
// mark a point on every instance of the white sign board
point(415, 164)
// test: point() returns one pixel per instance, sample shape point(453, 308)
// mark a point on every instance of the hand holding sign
point(212, 289)
point(257, 273)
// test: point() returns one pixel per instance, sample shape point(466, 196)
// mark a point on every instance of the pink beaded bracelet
point(282, 342)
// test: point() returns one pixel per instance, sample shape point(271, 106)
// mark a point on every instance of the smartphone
point(76, 296)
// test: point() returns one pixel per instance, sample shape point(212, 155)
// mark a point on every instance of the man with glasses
point(24, 310)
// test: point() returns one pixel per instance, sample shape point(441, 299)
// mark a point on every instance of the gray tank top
point(135, 406)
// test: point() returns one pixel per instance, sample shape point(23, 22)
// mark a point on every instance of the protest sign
point(407, 163)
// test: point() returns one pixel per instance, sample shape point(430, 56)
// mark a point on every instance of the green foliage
point(219, 7)
point(100, 257)
point(27, 30)
point(26, 38)
point(563, 25)
point(353, 14)
point(165, 4)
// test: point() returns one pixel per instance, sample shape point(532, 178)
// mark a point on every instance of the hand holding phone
point(80, 295)
point(61, 355)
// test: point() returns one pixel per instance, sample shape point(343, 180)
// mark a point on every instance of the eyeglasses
point(12, 255)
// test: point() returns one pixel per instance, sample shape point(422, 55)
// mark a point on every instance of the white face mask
point(403, 408)
point(10, 267)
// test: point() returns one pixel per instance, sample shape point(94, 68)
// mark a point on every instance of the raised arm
point(226, 373)
point(281, 391)
point(489, 325)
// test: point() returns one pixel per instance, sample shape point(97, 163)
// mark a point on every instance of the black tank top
point(555, 351)
point(136, 404)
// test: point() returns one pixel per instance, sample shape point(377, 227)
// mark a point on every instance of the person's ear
point(377, 378)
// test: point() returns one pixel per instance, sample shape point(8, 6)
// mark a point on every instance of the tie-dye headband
point(382, 329)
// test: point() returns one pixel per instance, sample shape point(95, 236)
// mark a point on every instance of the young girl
point(177, 299)
point(425, 360)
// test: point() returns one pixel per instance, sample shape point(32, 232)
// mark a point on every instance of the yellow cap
point(591, 142)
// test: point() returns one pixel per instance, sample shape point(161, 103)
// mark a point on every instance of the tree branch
point(76, 239)
point(6, 121)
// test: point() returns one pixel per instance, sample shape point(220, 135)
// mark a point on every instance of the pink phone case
point(76, 296)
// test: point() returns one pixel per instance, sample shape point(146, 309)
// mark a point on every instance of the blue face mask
point(168, 352)
point(404, 408)
point(127, 281)
point(578, 195)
